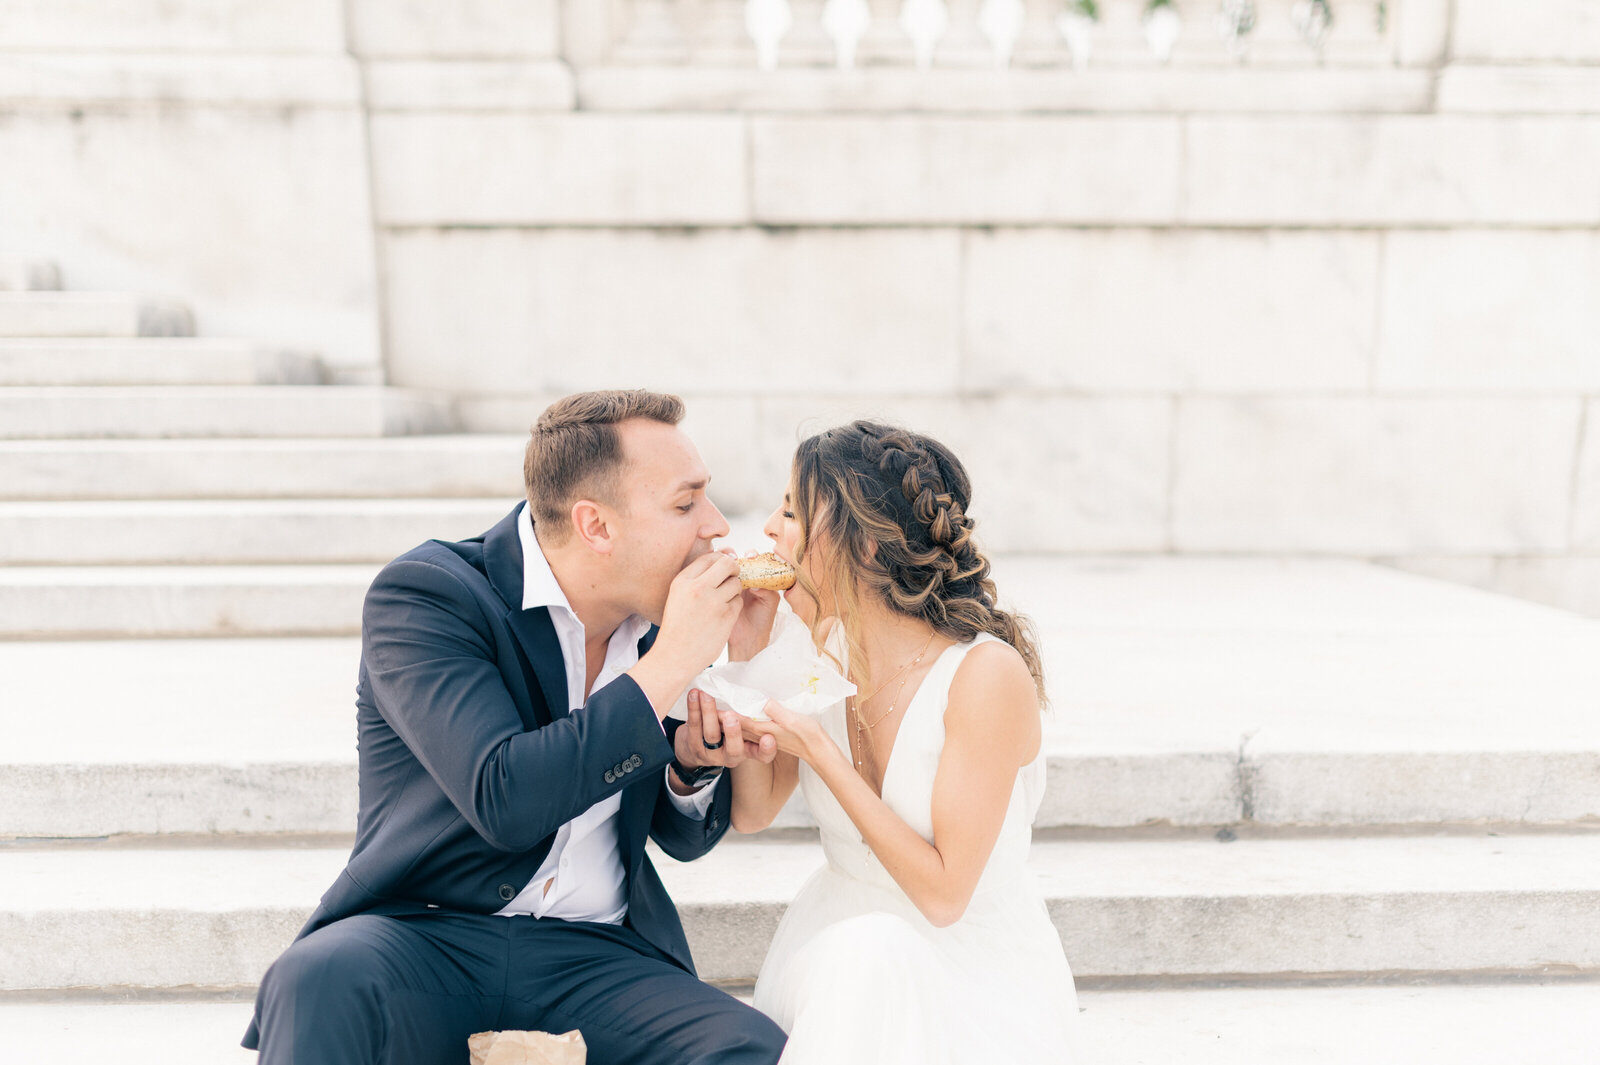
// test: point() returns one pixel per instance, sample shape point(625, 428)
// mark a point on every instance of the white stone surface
point(1289, 787)
point(702, 312)
point(899, 169)
point(224, 702)
point(1049, 472)
point(1373, 475)
point(1122, 908)
point(566, 169)
point(69, 79)
point(1425, 1025)
point(1421, 32)
point(467, 28)
point(1168, 310)
point(1520, 89)
point(295, 468)
point(1494, 311)
point(175, 25)
point(486, 85)
point(1568, 582)
point(1161, 90)
point(85, 602)
point(184, 361)
point(221, 411)
point(1440, 1025)
point(1559, 30)
point(77, 800)
point(18, 273)
point(91, 314)
point(1571, 583)
point(167, 1033)
point(247, 531)
point(1586, 485)
point(1390, 170)
point(259, 217)
point(1252, 906)
point(224, 735)
point(1194, 692)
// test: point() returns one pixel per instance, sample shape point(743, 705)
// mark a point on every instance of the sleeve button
point(611, 778)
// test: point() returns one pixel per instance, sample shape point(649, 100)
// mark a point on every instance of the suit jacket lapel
point(502, 560)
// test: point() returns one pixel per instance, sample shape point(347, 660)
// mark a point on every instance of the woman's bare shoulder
point(994, 677)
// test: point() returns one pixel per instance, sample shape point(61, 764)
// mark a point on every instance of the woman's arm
point(991, 730)
point(762, 782)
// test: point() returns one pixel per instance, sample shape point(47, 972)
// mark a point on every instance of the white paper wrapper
point(790, 670)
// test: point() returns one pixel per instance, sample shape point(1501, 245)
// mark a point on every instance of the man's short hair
point(575, 451)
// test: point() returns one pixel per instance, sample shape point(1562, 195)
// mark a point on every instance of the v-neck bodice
point(909, 775)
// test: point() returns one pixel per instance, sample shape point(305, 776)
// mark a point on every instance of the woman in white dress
point(923, 939)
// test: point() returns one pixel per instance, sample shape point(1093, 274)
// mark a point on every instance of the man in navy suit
point(514, 755)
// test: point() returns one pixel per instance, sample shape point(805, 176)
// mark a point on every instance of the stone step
point(201, 411)
point(104, 915)
point(234, 531)
point(1485, 1024)
point(92, 314)
point(351, 467)
point(1190, 908)
point(1317, 694)
point(18, 273)
point(152, 361)
point(80, 602)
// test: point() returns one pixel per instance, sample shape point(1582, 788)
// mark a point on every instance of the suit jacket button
point(611, 778)
point(715, 824)
point(507, 892)
point(617, 769)
point(637, 761)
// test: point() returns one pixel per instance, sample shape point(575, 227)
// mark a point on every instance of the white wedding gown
point(857, 976)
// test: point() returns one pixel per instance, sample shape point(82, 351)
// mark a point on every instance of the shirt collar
point(539, 584)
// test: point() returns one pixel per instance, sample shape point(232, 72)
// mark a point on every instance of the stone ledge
point(345, 468)
point(90, 80)
point(468, 85)
point(1163, 90)
point(220, 411)
point(1484, 1024)
point(217, 917)
point(1520, 90)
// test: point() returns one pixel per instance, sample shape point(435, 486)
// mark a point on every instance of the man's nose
point(717, 527)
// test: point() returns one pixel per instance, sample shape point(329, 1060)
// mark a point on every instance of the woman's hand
point(758, 609)
point(796, 734)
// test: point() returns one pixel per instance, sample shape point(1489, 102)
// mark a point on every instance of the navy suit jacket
point(470, 761)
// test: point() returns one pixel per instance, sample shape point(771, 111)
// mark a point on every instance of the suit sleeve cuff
point(696, 804)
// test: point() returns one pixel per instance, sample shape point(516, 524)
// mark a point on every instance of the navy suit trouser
point(408, 987)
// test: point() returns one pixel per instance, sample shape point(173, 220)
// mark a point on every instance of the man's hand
point(752, 632)
point(716, 737)
point(702, 605)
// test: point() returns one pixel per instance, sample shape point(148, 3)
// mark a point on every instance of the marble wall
point(1345, 305)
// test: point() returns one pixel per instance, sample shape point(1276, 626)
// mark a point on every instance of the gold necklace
point(861, 727)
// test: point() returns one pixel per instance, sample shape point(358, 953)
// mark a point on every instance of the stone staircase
point(1300, 810)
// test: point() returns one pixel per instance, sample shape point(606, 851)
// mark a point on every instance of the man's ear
point(592, 524)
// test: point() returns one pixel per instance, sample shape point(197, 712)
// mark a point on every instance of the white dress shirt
point(582, 878)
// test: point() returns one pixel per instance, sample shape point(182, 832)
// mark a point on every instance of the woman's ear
point(592, 524)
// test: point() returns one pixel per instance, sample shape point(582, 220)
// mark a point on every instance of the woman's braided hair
point(892, 507)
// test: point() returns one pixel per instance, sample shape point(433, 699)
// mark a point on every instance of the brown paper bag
point(527, 1048)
